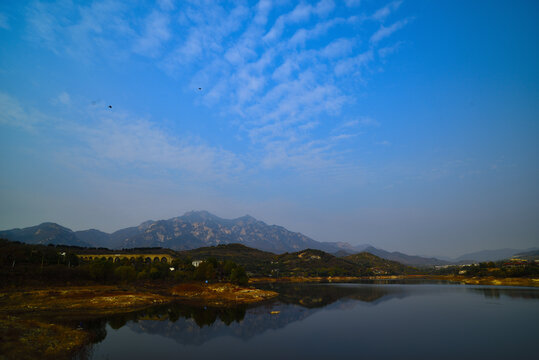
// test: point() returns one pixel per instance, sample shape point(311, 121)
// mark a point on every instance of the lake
point(414, 320)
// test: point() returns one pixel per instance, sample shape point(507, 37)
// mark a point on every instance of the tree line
point(47, 264)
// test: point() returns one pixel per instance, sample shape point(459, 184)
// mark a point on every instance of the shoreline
point(490, 280)
point(32, 319)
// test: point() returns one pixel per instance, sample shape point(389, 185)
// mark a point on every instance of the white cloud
point(368, 121)
point(324, 7)
point(384, 32)
point(262, 10)
point(353, 64)
point(63, 98)
point(123, 140)
point(13, 114)
point(141, 143)
point(156, 31)
point(208, 26)
point(384, 12)
point(388, 50)
point(80, 30)
point(352, 3)
point(350, 123)
point(302, 12)
point(321, 28)
point(343, 136)
point(258, 63)
point(337, 48)
point(167, 5)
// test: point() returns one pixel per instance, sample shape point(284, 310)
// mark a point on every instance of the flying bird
point(199, 88)
point(110, 106)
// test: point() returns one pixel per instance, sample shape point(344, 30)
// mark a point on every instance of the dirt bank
point(220, 294)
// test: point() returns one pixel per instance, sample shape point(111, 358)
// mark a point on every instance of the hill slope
point(378, 265)
point(45, 233)
point(405, 259)
point(309, 262)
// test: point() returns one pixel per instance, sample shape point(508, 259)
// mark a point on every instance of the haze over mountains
point(200, 228)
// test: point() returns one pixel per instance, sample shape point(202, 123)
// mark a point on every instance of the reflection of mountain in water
point(296, 302)
point(191, 325)
point(319, 295)
point(255, 321)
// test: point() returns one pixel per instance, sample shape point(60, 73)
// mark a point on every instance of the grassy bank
point(489, 280)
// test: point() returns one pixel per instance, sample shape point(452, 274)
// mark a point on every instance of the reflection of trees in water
point(202, 316)
point(319, 295)
point(195, 325)
point(496, 293)
point(203, 325)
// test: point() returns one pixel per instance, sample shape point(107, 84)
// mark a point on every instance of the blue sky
point(409, 125)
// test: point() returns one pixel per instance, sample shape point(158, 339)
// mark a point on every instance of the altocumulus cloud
point(278, 72)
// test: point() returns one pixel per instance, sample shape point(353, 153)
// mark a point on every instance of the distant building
point(196, 263)
point(438, 267)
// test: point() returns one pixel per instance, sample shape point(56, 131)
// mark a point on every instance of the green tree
point(125, 273)
point(238, 276)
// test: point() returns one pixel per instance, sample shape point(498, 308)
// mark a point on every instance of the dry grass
point(87, 300)
point(491, 280)
point(221, 294)
point(32, 339)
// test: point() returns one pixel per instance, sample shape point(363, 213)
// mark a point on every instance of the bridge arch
point(148, 258)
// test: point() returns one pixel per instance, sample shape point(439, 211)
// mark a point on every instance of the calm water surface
point(335, 321)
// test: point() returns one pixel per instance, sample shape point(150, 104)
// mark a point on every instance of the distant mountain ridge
point(492, 255)
point(44, 234)
point(192, 230)
point(197, 229)
point(404, 258)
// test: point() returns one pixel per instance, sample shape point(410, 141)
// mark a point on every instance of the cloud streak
point(103, 138)
point(384, 31)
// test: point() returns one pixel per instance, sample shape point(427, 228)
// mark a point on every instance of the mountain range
point(199, 229)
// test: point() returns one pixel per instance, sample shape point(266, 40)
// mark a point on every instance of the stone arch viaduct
point(165, 258)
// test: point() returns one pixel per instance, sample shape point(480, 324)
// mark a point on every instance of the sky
point(409, 125)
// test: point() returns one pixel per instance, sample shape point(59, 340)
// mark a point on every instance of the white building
point(196, 263)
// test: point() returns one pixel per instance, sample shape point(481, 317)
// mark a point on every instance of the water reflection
point(515, 293)
point(192, 325)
